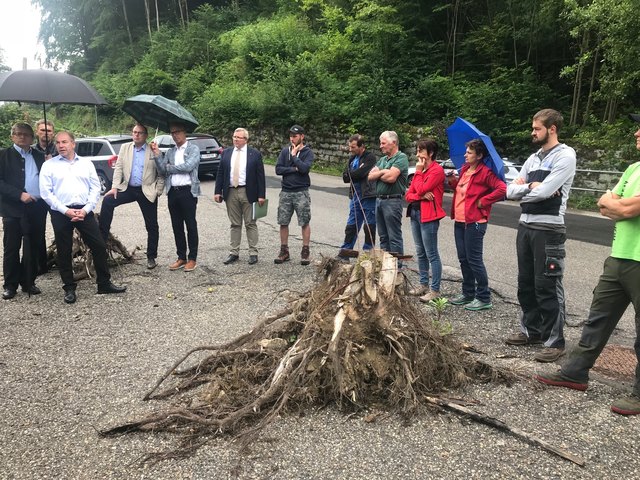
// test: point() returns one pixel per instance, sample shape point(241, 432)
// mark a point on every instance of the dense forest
point(366, 66)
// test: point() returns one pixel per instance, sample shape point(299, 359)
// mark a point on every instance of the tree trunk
point(157, 17)
point(147, 12)
point(126, 22)
point(587, 111)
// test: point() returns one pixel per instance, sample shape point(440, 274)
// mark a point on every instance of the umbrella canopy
point(46, 86)
point(158, 111)
point(462, 131)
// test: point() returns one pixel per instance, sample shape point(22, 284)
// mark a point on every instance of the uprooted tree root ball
point(351, 341)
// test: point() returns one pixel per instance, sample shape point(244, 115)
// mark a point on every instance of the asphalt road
point(582, 226)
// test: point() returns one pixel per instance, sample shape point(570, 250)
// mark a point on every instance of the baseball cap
point(297, 129)
point(635, 117)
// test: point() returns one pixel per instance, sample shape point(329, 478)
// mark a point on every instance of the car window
point(205, 143)
point(83, 149)
point(116, 146)
point(165, 141)
point(102, 148)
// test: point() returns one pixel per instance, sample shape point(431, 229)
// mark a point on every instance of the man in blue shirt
point(23, 211)
point(135, 179)
point(362, 191)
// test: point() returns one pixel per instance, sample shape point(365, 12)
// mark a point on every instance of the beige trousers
point(239, 209)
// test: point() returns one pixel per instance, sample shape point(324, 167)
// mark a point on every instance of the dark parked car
point(103, 152)
point(210, 150)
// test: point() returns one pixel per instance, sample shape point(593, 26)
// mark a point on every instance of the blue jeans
point(425, 237)
point(362, 211)
point(389, 223)
point(469, 240)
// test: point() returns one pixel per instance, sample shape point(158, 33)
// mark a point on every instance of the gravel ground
point(70, 370)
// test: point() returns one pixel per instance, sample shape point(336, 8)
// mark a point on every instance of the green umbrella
point(158, 112)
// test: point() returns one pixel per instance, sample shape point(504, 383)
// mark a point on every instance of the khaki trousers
point(239, 209)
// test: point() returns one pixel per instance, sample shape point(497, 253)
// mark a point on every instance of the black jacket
point(360, 174)
point(12, 180)
point(295, 170)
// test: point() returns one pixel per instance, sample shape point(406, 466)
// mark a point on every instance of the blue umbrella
point(459, 133)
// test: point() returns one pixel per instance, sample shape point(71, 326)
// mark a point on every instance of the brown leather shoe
point(190, 266)
point(178, 264)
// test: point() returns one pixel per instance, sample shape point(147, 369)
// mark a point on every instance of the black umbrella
point(158, 111)
point(47, 86)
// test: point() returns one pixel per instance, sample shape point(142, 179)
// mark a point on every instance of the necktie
point(236, 168)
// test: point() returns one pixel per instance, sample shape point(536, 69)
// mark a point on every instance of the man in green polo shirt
point(390, 173)
point(618, 286)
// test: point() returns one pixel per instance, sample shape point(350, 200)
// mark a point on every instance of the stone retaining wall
point(330, 150)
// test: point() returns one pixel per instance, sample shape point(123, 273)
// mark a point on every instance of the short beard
point(541, 141)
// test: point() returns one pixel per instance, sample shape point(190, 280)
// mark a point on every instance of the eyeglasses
point(237, 137)
point(22, 134)
point(175, 132)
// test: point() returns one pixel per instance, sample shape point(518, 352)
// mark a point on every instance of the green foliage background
point(361, 66)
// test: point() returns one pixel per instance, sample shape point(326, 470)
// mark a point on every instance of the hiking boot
point(304, 255)
point(548, 354)
point(283, 256)
point(460, 299)
point(419, 291)
point(521, 339)
point(478, 305)
point(431, 295)
point(627, 406)
point(560, 380)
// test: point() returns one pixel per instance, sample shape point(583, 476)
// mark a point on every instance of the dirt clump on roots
point(353, 341)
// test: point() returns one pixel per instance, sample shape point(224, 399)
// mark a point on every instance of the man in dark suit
point(23, 211)
point(240, 182)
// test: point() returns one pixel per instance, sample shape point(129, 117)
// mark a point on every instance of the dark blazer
point(255, 184)
point(12, 180)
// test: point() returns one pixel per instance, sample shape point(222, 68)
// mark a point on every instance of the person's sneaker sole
point(486, 306)
point(626, 406)
point(561, 383)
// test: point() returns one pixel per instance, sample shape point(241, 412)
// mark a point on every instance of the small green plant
point(444, 327)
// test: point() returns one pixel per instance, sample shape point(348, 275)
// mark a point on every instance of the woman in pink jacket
point(425, 210)
point(475, 190)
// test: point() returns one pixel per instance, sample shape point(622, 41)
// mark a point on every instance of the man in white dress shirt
point(180, 168)
point(70, 186)
point(240, 182)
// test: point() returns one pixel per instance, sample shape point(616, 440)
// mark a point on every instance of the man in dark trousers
point(135, 179)
point(619, 286)
point(179, 166)
point(70, 186)
point(23, 211)
point(240, 182)
point(362, 207)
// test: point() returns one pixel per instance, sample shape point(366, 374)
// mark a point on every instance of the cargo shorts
point(300, 202)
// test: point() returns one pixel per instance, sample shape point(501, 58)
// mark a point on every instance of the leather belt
point(388, 197)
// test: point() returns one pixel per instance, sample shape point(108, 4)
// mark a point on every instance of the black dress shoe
point(151, 263)
point(32, 290)
point(8, 294)
point(231, 259)
point(110, 288)
point(253, 259)
point(70, 296)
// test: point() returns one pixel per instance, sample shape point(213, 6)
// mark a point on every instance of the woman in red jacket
point(475, 190)
point(425, 210)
